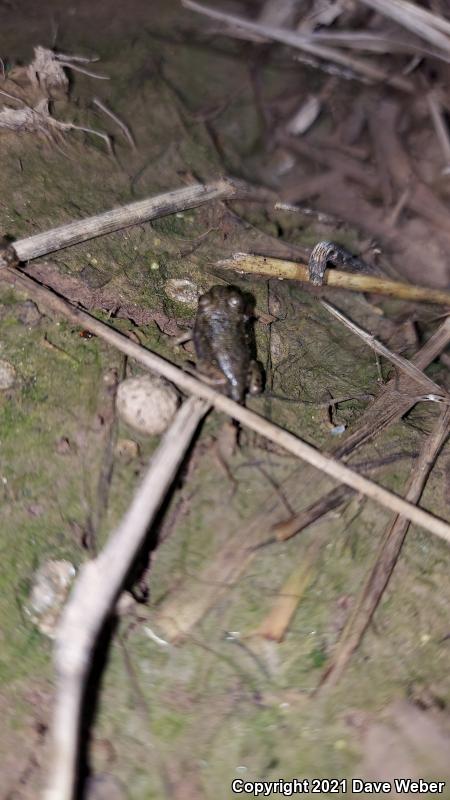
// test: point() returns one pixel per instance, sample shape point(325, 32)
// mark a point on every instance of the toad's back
point(221, 337)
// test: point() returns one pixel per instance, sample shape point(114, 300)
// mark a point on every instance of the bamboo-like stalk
point(293, 444)
point(275, 625)
point(354, 281)
point(97, 589)
point(82, 230)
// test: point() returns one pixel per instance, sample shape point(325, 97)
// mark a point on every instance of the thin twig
point(133, 214)
point(290, 527)
point(124, 128)
point(70, 126)
point(345, 165)
point(13, 97)
point(293, 444)
point(440, 126)
point(386, 558)
point(96, 591)
point(76, 59)
point(98, 505)
point(395, 399)
point(374, 42)
point(423, 23)
point(300, 42)
point(40, 119)
point(353, 281)
point(84, 71)
point(400, 362)
point(183, 609)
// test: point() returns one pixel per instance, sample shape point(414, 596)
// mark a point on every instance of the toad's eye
point(235, 301)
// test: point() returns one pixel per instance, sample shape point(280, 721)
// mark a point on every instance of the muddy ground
point(184, 720)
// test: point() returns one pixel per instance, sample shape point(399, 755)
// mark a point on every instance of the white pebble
point(147, 403)
point(338, 430)
point(50, 588)
point(182, 290)
point(7, 375)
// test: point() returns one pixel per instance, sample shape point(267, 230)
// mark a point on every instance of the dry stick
point(397, 397)
point(85, 71)
point(423, 23)
point(386, 558)
point(39, 118)
point(440, 126)
point(123, 127)
point(250, 419)
point(354, 281)
point(374, 42)
point(133, 214)
point(290, 527)
point(344, 165)
point(407, 11)
point(300, 42)
point(96, 590)
point(403, 363)
point(182, 610)
point(394, 400)
point(191, 600)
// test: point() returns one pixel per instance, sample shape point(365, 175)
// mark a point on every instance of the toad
point(223, 340)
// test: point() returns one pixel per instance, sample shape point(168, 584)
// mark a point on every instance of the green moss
point(318, 657)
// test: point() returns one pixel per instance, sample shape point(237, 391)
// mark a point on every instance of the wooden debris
point(37, 119)
point(97, 590)
point(353, 281)
point(160, 205)
point(432, 27)
point(290, 527)
point(368, 71)
point(440, 126)
point(386, 558)
point(275, 625)
point(440, 395)
point(47, 69)
point(293, 444)
point(123, 127)
point(395, 399)
point(46, 72)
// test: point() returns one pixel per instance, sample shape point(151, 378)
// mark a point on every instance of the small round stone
point(147, 403)
point(7, 375)
point(127, 450)
point(51, 584)
point(28, 313)
point(182, 290)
